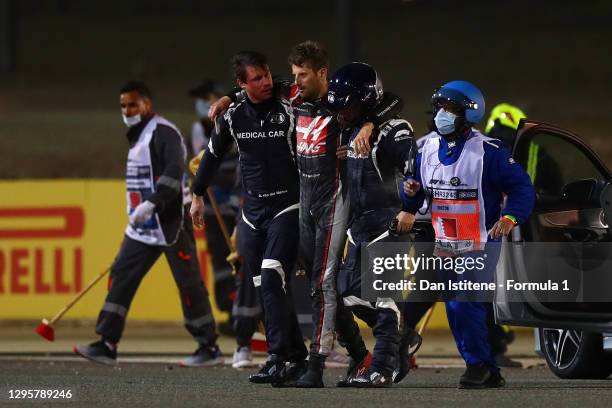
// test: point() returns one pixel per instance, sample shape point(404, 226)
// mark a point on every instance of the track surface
point(154, 384)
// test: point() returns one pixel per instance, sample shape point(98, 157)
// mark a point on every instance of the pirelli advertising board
point(56, 236)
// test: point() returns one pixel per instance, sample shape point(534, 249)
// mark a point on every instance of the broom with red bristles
point(46, 330)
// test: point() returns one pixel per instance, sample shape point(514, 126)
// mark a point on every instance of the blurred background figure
point(204, 94)
point(235, 294)
point(503, 123)
point(246, 310)
point(226, 191)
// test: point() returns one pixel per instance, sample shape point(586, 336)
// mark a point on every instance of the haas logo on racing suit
point(312, 135)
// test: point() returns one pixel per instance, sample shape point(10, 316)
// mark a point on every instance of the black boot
point(475, 376)
point(270, 372)
point(496, 380)
point(409, 344)
point(480, 376)
point(313, 377)
point(290, 374)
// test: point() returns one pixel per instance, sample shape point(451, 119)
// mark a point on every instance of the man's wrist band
point(511, 219)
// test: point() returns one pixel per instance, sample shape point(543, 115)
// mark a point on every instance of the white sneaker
point(243, 357)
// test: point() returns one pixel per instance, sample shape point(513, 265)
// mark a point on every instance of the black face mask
point(356, 113)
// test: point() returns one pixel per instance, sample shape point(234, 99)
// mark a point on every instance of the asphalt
point(147, 375)
point(154, 384)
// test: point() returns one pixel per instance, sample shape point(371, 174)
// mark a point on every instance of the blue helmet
point(354, 82)
point(463, 94)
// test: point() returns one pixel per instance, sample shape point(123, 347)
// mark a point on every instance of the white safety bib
point(141, 185)
point(457, 205)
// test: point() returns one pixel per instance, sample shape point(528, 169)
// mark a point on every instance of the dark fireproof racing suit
point(264, 134)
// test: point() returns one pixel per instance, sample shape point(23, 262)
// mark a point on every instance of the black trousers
point(382, 316)
point(246, 310)
point(131, 265)
point(270, 252)
point(218, 251)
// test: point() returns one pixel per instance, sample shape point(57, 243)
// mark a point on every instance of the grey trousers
point(131, 265)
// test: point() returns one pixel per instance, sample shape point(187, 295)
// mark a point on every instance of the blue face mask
point(201, 108)
point(445, 122)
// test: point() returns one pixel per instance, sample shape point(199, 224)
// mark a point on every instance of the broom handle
point(215, 207)
point(426, 319)
point(77, 297)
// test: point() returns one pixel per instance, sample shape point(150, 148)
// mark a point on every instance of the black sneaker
point(313, 377)
point(100, 352)
point(495, 381)
point(290, 374)
point(356, 369)
point(479, 376)
point(204, 356)
point(372, 379)
point(475, 376)
point(270, 372)
point(409, 344)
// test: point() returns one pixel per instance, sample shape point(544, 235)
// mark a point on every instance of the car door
point(572, 187)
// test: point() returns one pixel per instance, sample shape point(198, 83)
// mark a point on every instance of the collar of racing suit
point(317, 106)
point(262, 107)
point(449, 151)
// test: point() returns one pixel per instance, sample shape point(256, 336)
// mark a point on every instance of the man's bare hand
point(219, 107)
point(411, 187)
point(361, 143)
point(342, 152)
point(405, 221)
point(501, 228)
point(197, 211)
